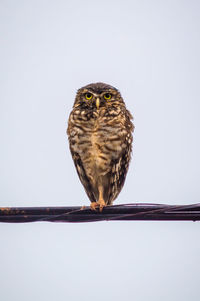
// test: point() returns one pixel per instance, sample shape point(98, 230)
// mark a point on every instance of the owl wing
point(120, 165)
point(83, 176)
point(73, 132)
point(119, 169)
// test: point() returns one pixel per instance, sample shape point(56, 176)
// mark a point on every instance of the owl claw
point(83, 207)
point(98, 205)
point(94, 206)
point(101, 204)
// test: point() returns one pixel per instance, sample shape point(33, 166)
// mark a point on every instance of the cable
point(129, 212)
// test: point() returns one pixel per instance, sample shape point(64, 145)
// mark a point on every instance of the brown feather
point(100, 141)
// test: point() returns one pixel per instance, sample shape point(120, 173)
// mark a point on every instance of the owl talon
point(83, 208)
point(101, 204)
point(94, 206)
point(98, 205)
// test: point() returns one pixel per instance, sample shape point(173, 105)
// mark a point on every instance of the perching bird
point(100, 138)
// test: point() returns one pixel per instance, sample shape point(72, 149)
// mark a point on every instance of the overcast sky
point(149, 50)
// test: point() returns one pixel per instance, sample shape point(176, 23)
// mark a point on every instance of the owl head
point(97, 95)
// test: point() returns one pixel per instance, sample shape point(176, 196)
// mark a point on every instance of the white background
point(149, 50)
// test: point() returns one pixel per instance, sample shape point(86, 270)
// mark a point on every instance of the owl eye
point(107, 96)
point(88, 96)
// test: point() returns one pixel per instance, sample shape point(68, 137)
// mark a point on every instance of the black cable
point(139, 211)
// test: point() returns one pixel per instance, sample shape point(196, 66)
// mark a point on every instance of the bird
point(100, 134)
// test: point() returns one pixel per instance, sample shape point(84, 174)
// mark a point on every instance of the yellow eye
point(107, 96)
point(88, 96)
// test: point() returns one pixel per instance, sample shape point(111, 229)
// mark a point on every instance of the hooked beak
point(97, 103)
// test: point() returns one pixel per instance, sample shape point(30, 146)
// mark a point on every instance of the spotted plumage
point(100, 138)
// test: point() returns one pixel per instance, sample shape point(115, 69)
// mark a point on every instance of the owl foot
point(94, 206)
point(101, 204)
point(98, 205)
point(83, 207)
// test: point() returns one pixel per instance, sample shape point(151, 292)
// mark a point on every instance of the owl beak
point(97, 103)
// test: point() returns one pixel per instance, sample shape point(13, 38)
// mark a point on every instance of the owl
point(100, 139)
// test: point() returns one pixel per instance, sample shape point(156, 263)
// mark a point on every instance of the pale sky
point(149, 50)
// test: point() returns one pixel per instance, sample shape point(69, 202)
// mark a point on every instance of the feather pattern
point(100, 139)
